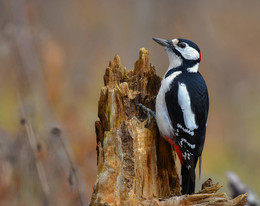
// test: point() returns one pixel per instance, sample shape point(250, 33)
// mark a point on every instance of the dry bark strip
point(135, 165)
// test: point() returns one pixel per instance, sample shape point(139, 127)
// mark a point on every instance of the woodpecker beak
point(163, 42)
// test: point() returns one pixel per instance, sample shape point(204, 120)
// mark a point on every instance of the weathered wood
point(135, 165)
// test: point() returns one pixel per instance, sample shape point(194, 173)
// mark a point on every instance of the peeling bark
point(135, 165)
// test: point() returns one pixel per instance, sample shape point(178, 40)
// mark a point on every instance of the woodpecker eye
point(182, 45)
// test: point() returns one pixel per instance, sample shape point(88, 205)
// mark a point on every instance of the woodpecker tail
point(188, 184)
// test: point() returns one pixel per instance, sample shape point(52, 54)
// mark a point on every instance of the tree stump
point(135, 165)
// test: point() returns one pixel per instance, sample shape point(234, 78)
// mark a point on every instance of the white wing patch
point(185, 104)
point(194, 69)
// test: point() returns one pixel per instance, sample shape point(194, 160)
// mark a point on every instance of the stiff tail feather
point(188, 185)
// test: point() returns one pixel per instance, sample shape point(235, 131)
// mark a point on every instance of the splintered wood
point(135, 165)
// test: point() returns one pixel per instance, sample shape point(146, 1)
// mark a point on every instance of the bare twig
point(73, 178)
point(237, 188)
point(34, 147)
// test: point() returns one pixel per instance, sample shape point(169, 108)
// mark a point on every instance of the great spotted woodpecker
point(182, 106)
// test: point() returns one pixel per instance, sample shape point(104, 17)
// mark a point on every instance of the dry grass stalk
point(73, 179)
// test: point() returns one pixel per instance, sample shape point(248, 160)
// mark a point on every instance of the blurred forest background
point(53, 55)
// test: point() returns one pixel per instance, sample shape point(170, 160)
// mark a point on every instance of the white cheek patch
point(185, 104)
point(189, 52)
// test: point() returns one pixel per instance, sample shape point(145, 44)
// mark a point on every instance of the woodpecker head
point(181, 52)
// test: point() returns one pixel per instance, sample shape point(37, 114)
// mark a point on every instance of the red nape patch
point(200, 56)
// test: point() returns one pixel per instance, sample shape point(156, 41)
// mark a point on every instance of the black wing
point(190, 142)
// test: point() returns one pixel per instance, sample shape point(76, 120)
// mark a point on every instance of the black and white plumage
point(182, 106)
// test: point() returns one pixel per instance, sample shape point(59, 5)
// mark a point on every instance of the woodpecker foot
point(149, 113)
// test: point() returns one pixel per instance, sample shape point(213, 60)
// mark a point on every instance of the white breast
point(162, 116)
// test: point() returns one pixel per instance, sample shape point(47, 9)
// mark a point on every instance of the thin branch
point(34, 147)
point(237, 188)
point(73, 178)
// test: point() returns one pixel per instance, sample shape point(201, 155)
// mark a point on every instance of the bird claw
point(149, 112)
